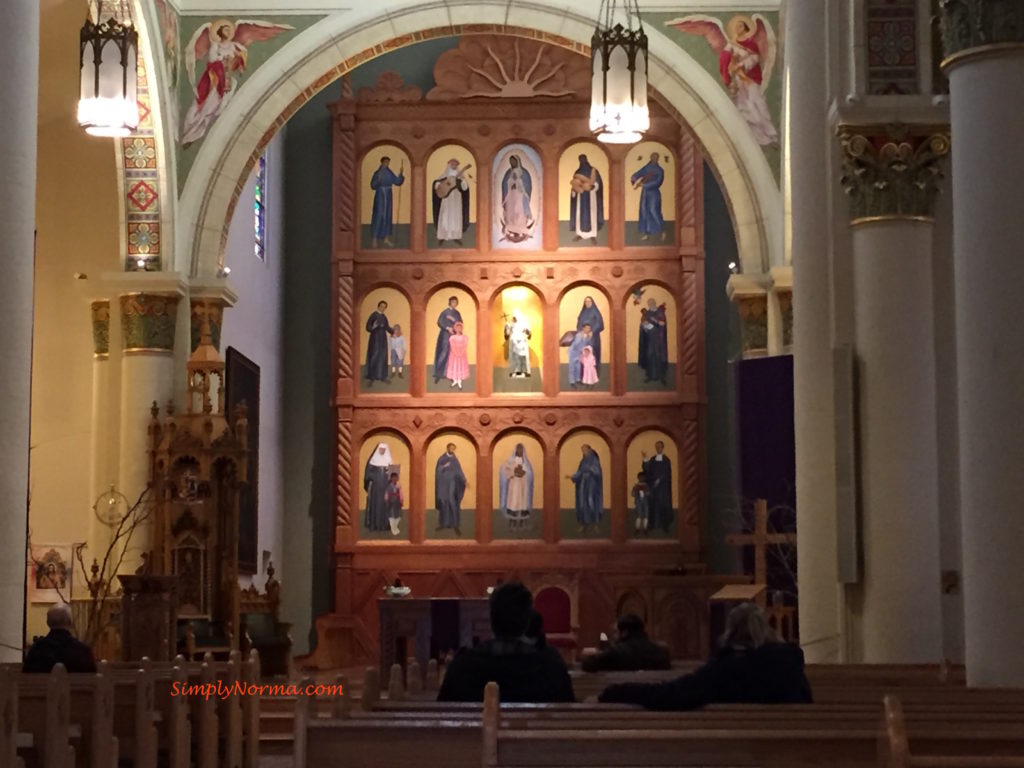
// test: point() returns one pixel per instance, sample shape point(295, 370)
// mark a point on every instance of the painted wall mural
point(451, 487)
point(383, 494)
point(585, 346)
point(518, 198)
point(451, 198)
point(582, 199)
point(742, 52)
point(652, 471)
point(386, 202)
point(518, 498)
point(651, 321)
point(650, 195)
point(218, 55)
point(383, 346)
point(518, 340)
point(451, 358)
point(584, 462)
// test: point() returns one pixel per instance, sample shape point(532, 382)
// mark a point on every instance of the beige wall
point(77, 222)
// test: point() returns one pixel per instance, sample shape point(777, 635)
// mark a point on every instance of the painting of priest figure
point(649, 179)
point(451, 204)
point(518, 335)
point(449, 489)
point(586, 201)
point(515, 484)
point(652, 351)
point(382, 220)
point(380, 330)
point(658, 473)
point(446, 321)
point(589, 482)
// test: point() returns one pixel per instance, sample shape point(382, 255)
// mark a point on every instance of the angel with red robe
point(224, 45)
point(746, 48)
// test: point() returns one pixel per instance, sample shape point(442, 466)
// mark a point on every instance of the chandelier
point(107, 104)
point(618, 61)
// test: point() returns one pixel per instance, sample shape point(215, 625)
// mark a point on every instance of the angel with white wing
point(746, 48)
point(224, 45)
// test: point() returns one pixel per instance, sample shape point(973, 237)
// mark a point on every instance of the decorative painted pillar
point(19, 93)
point(102, 471)
point(750, 295)
point(984, 46)
point(148, 323)
point(780, 311)
point(805, 188)
point(891, 177)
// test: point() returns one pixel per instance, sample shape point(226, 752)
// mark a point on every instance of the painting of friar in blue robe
point(382, 220)
point(589, 482)
point(650, 219)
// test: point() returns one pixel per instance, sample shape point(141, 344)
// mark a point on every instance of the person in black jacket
point(750, 667)
point(632, 650)
point(524, 670)
point(59, 646)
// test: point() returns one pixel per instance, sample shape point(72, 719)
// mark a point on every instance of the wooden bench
point(895, 749)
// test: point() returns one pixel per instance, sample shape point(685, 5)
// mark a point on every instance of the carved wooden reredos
point(492, 91)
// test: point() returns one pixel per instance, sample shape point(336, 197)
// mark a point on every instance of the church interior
point(667, 309)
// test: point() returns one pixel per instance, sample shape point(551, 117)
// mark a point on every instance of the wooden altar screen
point(601, 572)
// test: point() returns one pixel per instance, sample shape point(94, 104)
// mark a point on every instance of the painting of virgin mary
point(517, 198)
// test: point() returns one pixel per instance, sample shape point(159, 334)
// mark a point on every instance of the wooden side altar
point(429, 627)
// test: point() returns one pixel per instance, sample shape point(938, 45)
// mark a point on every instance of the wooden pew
point(895, 750)
point(46, 719)
point(9, 720)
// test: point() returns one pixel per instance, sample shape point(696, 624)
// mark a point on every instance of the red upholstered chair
point(554, 604)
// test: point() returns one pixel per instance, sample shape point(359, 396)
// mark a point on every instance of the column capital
point(148, 321)
point(750, 295)
point(100, 312)
point(974, 29)
point(892, 171)
point(209, 298)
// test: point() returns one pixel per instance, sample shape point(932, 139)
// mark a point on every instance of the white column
point(806, 158)
point(901, 615)
point(988, 204)
point(103, 471)
point(19, 61)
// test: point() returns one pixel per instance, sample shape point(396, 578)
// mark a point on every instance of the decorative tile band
point(976, 27)
point(140, 185)
point(753, 323)
point(100, 312)
point(148, 320)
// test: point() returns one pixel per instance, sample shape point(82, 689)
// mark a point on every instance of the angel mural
point(746, 48)
point(225, 46)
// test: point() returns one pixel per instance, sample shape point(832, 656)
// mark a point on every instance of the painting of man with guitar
point(451, 203)
point(586, 201)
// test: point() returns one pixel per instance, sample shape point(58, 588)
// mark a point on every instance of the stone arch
point(311, 61)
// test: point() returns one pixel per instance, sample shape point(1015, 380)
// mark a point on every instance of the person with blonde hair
point(750, 667)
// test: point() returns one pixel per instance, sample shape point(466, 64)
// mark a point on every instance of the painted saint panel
point(585, 343)
point(518, 317)
point(383, 488)
point(383, 344)
point(584, 463)
point(451, 358)
point(384, 198)
point(518, 204)
point(650, 195)
point(451, 487)
point(451, 199)
point(651, 321)
point(582, 200)
point(652, 471)
point(518, 503)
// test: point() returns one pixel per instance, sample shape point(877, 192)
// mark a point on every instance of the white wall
point(254, 327)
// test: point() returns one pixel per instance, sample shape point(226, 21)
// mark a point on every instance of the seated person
point(59, 646)
point(751, 666)
point(524, 670)
point(633, 650)
point(535, 630)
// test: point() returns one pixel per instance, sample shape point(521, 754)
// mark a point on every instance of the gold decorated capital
point(210, 310)
point(892, 172)
point(976, 28)
point(100, 313)
point(148, 321)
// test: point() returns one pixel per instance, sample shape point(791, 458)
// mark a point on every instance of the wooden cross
point(759, 540)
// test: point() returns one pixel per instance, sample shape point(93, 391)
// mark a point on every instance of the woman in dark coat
point(751, 666)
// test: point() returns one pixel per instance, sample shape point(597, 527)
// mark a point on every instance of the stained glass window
point(259, 212)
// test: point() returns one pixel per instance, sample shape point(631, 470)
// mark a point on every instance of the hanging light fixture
point(107, 104)
point(618, 61)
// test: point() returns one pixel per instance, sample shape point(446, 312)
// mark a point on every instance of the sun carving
point(496, 67)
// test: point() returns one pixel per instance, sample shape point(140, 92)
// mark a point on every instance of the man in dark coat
point(751, 667)
point(658, 471)
point(524, 670)
point(59, 646)
point(380, 329)
point(633, 650)
point(449, 489)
